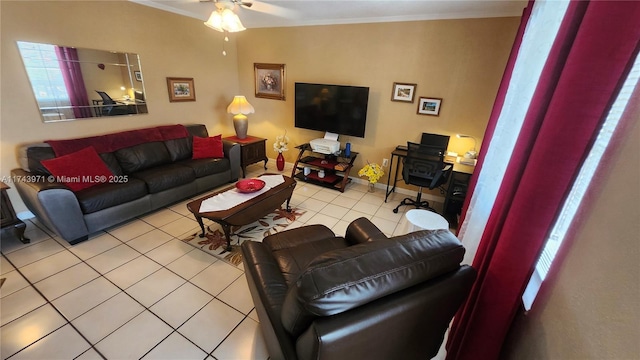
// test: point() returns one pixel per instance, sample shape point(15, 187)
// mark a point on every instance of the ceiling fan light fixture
point(215, 21)
point(224, 20)
point(231, 21)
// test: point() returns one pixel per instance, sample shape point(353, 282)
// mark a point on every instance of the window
point(41, 63)
point(580, 186)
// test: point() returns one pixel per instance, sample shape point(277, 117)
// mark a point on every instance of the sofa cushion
point(177, 140)
point(204, 167)
point(179, 149)
point(112, 162)
point(165, 177)
point(111, 194)
point(206, 148)
point(143, 156)
point(79, 170)
point(197, 130)
point(34, 157)
point(343, 279)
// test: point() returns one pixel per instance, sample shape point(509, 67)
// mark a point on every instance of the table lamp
point(471, 154)
point(239, 107)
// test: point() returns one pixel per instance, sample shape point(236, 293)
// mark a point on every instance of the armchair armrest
point(53, 204)
point(362, 230)
point(232, 152)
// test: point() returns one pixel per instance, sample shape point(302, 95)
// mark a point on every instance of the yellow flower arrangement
point(373, 171)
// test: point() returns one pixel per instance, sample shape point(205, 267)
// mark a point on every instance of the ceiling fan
point(223, 3)
point(223, 19)
point(257, 6)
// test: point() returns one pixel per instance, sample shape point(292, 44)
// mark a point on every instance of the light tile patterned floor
point(136, 291)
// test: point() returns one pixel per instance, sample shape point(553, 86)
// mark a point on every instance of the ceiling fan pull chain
point(226, 39)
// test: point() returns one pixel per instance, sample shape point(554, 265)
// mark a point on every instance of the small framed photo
point(429, 106)
point(403, 92)
point(138, 75)
point(269, 81)
point(181, 89)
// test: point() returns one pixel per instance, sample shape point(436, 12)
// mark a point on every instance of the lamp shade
point(240, 105)
point(224, 20)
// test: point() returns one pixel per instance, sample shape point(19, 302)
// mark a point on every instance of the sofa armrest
point(232, 152)
point(362, 230)
point(53, 204)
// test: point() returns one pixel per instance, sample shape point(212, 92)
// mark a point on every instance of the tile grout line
point(302, 199)
point(56, 309)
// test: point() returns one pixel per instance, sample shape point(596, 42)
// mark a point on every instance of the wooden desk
point(456, 186)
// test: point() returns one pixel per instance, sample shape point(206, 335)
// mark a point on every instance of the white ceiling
point(277, 13)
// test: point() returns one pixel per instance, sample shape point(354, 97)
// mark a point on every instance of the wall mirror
point(73, 83)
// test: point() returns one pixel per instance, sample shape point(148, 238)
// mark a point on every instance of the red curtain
point(591, 56)
point(73, 80)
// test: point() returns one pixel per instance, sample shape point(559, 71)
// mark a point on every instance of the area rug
point(215, 242)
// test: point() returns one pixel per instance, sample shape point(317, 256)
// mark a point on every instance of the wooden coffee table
point(246, 212)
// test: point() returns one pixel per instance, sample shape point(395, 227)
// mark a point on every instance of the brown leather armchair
point(362, 296)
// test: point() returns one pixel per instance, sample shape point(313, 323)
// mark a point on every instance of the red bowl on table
point(249, 185)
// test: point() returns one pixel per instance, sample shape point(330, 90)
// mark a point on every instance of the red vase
point(280, 162)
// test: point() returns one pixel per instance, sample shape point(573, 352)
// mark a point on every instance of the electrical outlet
point(385, 162)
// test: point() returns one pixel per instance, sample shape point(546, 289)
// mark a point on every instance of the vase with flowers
point(280, 146)
point(269, 82)
point(373, 172)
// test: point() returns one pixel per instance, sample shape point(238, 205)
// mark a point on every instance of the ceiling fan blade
point(271, 9)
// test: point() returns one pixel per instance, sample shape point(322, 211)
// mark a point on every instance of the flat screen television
point(338, 109)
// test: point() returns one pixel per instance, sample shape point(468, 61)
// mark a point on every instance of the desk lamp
point(239, 107)
point(471, 154)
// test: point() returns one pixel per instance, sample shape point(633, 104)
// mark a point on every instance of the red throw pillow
point(206, 148)
point(79, 170)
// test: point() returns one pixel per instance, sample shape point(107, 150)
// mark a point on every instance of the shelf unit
point(336, 179)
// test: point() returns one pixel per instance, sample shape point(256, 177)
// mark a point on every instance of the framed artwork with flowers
point(269, 81)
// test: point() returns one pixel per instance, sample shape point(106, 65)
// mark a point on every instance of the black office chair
point(424, 167)
point(110, 107)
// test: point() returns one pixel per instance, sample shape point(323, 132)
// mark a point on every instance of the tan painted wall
point(589, 308)
point(169, 45)
point(461, 61)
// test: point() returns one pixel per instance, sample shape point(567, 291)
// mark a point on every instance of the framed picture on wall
point(429, 106)
point(403, 92)
point(181, 89)
point(269, 81)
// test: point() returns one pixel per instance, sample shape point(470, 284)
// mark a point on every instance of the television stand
point(335, 167)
